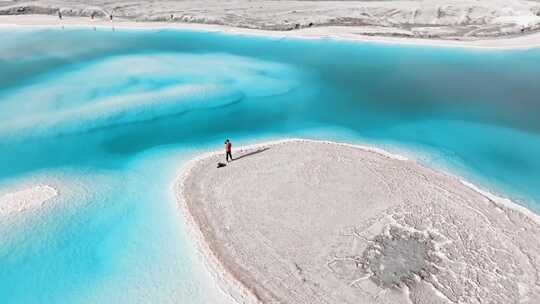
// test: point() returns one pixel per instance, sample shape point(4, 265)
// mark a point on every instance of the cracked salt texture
point(316, 222)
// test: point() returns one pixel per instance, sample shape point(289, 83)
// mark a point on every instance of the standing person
point(228, 150)
point(59, 15)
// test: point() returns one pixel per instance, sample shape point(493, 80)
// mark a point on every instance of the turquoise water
point(110, 118)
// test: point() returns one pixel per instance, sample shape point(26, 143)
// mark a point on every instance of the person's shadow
point(251, 153)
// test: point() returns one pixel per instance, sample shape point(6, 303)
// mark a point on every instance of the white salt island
point(317, 222)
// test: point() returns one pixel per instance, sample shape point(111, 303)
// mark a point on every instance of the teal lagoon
point(109, 118)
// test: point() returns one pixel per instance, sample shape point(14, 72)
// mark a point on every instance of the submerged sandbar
point(317, 222)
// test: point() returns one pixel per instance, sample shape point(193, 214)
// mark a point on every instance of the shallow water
point(111, 117)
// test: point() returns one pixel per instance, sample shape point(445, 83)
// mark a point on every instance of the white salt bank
point(313, 222)
point(27, 198)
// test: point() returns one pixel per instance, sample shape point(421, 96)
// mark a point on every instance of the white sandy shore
point(316, 222)
point(347, 33)
point(25, 199)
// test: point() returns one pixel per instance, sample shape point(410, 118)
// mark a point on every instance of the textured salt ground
point(313, 222)
point(343, 32)
point(454, 19)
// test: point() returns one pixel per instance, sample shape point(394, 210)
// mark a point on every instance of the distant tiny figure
point(59, 15)
point(111, 16)
point(228, 150)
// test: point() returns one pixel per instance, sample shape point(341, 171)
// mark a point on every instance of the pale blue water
point(110, 117)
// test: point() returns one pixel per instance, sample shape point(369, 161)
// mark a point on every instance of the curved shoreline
point(227, 280)
point(339, 33)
